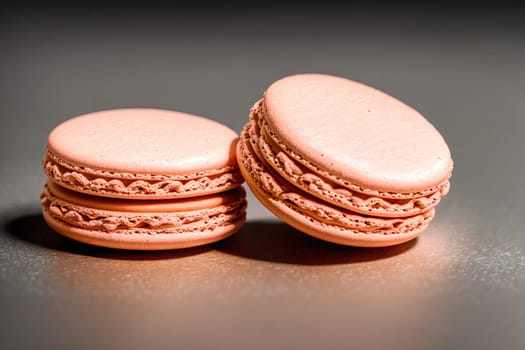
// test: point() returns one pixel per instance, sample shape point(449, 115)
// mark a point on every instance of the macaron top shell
point(356, 133)
point(144, 141)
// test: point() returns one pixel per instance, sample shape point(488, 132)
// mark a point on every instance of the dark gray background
point(461, 285)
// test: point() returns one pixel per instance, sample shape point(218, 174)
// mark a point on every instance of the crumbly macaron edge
point(254, 171)
point(110, 221)
point(139, 186)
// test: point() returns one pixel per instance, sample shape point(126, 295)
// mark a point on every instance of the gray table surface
point(460, 285)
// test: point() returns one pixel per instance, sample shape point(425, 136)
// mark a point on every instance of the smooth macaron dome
point(344, 161)
point(143, 179)
point(142, 153)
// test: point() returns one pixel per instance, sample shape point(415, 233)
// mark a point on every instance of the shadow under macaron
point(264, 240)
point(31, 228)
point(275, 241)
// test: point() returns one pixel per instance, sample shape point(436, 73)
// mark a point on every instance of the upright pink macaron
point(143, 179)
point(343, 161)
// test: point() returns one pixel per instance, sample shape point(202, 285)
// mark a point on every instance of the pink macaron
point(143, 179)
point(343, 161)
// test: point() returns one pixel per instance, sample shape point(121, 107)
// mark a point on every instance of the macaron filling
point(69, 208)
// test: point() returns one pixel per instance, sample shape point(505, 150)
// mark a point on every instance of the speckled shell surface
point(357, 133)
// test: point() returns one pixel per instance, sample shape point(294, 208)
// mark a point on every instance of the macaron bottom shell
point(142, 241)
point(331, 233)
point(143, 225)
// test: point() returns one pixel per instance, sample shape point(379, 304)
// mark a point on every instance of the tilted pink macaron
point(143, 179)
point(343, 161)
